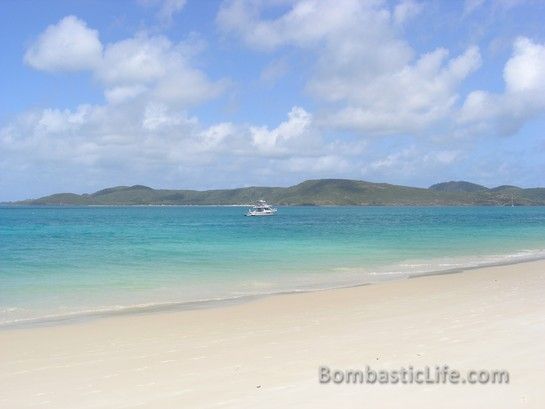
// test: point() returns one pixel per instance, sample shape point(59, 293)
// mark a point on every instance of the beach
point(396, 147)
point(267, 353)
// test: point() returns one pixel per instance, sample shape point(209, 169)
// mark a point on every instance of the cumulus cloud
point(142, 127)
point(523, 97)
point(407, 100)
point(149, 84)
point(68, 45)
point(364, 79)
point(525, 70)
point(122, 93)
point(140, 59)
point(153, 143)
point(290, 136)
point(102, 136)
point(366, 76)
point(304, 23)
point(142, 66)
point(158, 65)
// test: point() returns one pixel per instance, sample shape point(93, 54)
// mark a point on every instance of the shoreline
point(267, 353)
point(178, 306)
point(64, 205)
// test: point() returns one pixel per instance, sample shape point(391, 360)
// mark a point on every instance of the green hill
point(322, 192)
point(459, 186)
point(505, 188)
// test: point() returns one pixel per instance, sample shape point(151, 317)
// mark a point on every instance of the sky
point(230, 93)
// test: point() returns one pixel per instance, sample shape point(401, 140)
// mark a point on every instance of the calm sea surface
point(58, 261)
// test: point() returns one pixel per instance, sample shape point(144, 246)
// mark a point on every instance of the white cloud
point(157, 117)
point(98, 136)
point(149, 83)
point(522, 99)
point(139, 59)
point(215, 137)
point(405, 10)
point(187, 86)
point(154, 137)
point(292, 135)
point(445, 157)
point(305, 23)
point(55, 121)
point(159, 65)
point(525, 70)
point(411, 161)
point(68, 45)
point(365, 75)
point(148, 67)
point(407, 100)
point(123, 93)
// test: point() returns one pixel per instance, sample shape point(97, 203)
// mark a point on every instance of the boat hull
point(259, 214)
point(261, 209)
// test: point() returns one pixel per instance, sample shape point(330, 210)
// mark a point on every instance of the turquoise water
point(56, 261)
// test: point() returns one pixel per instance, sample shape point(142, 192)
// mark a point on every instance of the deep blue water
point(61, 260)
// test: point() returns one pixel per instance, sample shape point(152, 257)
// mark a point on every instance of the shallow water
point(71, 260)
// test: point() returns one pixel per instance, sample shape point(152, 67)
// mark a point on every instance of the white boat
point(261, 209)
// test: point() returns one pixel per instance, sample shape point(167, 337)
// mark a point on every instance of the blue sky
point(213, 94)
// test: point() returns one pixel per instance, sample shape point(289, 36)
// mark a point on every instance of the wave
point(347, 277)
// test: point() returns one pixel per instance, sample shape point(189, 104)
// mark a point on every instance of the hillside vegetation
point(320, 192)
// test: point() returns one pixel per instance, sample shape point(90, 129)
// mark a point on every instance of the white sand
point(491, 318)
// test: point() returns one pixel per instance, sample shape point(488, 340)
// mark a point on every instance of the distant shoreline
point(22, 205)
point(320, 192)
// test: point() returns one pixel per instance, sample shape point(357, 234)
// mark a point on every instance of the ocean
point(61, 263)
